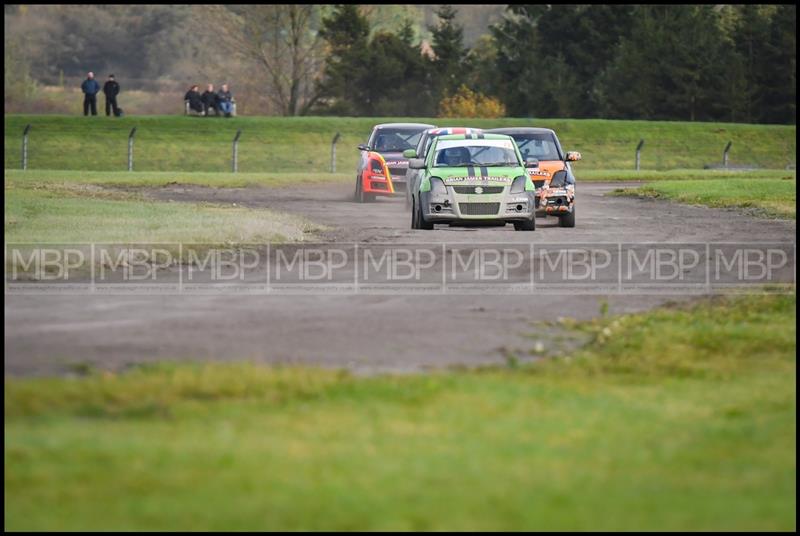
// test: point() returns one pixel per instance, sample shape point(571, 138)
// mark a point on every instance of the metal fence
point(236, 148)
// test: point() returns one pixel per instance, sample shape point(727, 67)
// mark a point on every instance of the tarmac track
point(48, 334)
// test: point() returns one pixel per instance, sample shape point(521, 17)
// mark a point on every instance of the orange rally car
point(552, 175)
point(374, 178)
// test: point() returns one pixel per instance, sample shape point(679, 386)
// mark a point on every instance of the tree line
point(658, 62)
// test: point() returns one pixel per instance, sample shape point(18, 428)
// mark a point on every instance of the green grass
point(622, 175)
point(302, 144)
point(770, 197)
point(48, 178)
point(241, 180)
point(677, 419)
point(72, 213)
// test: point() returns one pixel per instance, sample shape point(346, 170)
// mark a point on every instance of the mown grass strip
point(764, 197)
point(56, 214)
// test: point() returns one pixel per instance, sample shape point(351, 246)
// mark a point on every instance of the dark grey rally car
point(390, 140)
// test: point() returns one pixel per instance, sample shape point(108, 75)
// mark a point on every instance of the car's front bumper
point(451, 207)
point(555, 202)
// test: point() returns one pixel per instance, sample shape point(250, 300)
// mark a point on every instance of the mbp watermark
point(576, 268)
point(354, 268)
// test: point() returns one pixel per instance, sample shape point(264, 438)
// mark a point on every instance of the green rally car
point(472, 178)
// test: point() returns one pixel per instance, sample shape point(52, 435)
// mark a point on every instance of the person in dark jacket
point(209, 99)
point(225, 100)
point(111, 90)
point(90, 89)
point(194, 99)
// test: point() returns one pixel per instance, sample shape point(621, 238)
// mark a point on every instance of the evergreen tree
point(671, 67)
point(449, 65)
point(779, 93)
point(346, 73)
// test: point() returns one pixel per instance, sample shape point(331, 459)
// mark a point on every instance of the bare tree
point(283, 42)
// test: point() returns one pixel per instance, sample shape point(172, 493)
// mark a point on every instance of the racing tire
point(414, 224)
point(527, 225)
point(361, 196)
point(421, 223)
point(567, 220)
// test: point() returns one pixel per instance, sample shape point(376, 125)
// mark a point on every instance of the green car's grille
point(478, 209)
point(483, 189)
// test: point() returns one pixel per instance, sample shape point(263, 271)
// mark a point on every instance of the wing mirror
point(573, 156)
point(410, 153)
point(532, 163)
point(363, 147)
point(416, 163)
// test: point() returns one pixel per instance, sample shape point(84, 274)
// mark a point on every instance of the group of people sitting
point(221, 102)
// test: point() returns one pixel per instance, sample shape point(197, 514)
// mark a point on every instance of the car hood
point(544, 171)
point(477, 175)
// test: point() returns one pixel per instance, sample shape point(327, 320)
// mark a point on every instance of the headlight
point(437, 186)
point(518, 186)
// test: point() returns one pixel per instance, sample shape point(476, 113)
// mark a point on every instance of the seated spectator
point(225, 100)
point(209, 99)
point(194, 99)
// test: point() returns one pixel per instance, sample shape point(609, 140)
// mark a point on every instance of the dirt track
point(367, 333)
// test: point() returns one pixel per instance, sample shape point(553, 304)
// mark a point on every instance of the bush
point(468, 103)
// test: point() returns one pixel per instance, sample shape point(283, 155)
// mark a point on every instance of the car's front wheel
point(421, 223)
point(567, 220)
point(527, 225)
point(361, 195)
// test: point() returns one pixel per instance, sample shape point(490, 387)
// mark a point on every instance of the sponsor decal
point(397, 163)
point(538, 173)
point(451, 180)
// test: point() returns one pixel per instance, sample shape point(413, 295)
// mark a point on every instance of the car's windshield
point(460, 153)
point(539, 146)
point(389, 140)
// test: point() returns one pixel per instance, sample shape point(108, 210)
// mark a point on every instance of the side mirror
point(532, 163)
point(573, 156)
point(416, 163)
point(410, 153)
point(363, 147)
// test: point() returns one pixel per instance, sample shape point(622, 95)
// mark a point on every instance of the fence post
point(333, 152)
point(130, 148)
point(725, 154)
point(639, 154)
point(25, 147)
point(236, 151)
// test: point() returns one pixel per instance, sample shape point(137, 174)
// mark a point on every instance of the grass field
point(302, 144)
point(18, 178)
point(78, 213)
point(681, 418)
point(770, 197)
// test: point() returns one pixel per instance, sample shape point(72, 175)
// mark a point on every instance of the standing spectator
point(111, 90)
point(225, 100)
point(90, 89)
point(194, 99)
point(209, 99)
